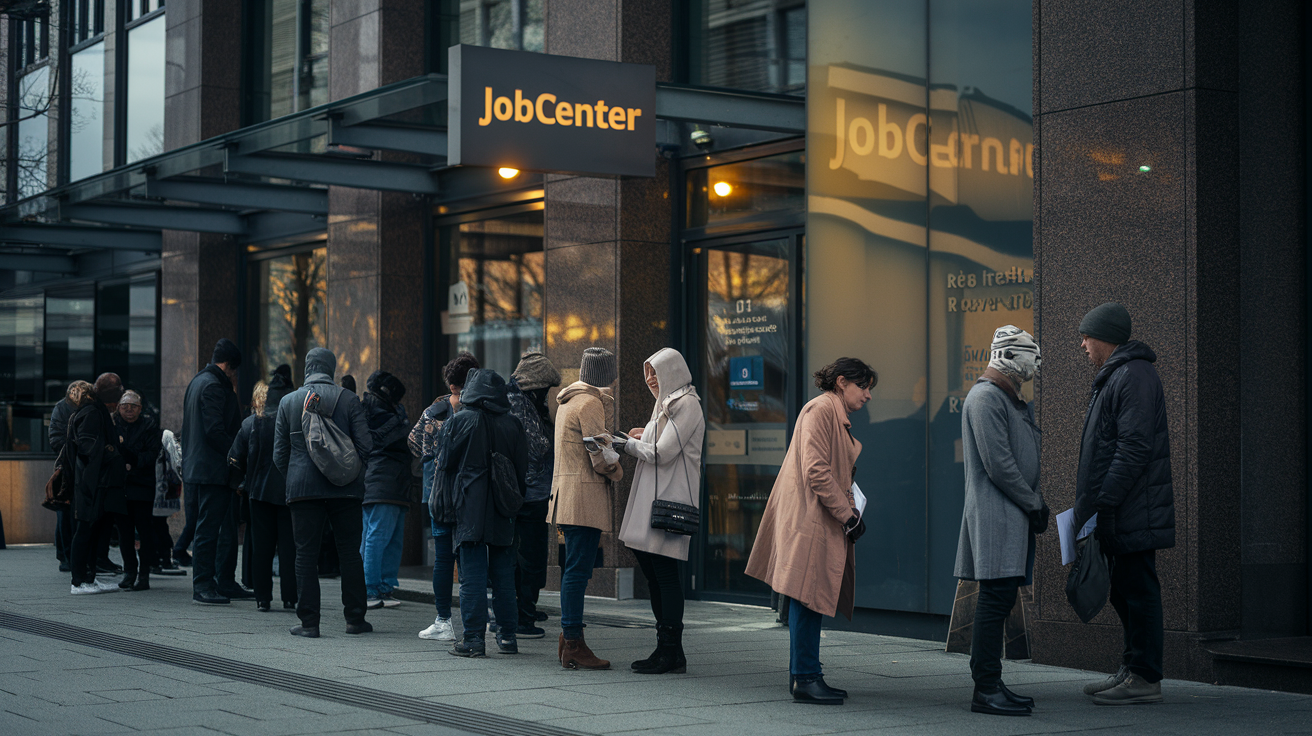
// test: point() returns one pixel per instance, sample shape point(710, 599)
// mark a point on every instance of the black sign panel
point(538, 112)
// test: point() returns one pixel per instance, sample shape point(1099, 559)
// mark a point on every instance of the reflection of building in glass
point(292, 310)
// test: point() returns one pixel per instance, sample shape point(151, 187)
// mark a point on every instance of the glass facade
point(145, 90)
point(494, 272)
point(32, 157)
point(126, 335)
point(501, 24)
point(290, 41)
point(919, 230)
point(731, 192)
point(290, 309)
point(755, 45)
point(87, 113)
point(21, 390)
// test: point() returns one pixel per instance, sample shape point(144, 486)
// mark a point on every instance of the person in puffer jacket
point(527, 392)
point(1124, 477)
point(386, 487)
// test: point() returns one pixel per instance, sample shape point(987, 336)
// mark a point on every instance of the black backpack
point(504, 483)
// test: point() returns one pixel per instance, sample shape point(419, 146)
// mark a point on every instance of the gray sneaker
point(1112, 681)
point(1134, 690)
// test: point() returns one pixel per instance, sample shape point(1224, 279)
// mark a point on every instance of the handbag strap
point(656, 452)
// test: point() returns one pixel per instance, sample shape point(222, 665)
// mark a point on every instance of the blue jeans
point(380, 546)
point(479, 565)
point(444, 567)
point(804, 642)
point(576, 570)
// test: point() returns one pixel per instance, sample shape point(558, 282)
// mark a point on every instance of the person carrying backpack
point(482, 461)
point(320, 444)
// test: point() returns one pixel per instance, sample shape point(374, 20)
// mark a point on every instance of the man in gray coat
point(1003, 510)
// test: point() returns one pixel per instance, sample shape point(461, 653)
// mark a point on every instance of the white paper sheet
point(1066, 530)
point(859, 498)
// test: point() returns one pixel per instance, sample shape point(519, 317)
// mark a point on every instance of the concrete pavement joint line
point(472, 721)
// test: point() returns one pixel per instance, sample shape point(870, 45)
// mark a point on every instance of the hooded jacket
point(423, 438)
point(253, 448)
point(99, 470)
point(464, 458)
point(541, 454)
point(290, 455)
point(211, 417)
point(669, 458)
point(579, 494)
point(140, 447)
point(59, 416)
point(387, 477)
point(1125, 456)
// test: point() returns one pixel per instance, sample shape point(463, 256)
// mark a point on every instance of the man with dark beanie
point(1124, 477)
point(211, 419)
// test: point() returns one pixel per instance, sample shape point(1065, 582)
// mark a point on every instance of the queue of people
point(498, 468)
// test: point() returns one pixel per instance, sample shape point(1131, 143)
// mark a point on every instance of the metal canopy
point(221, 185)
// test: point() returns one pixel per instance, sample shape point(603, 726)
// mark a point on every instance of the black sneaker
point(540, 616)
point(182, 557)
point(169, 569)
point(529, 631)
point(309, 632)
point(209, 598)
point(506, 645)
point(262, 606)
point(63, 567)
point(474, 648)
point(108, 567)
point(364, 627)
point(236, 592)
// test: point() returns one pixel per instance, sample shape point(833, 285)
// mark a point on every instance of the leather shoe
point(362, 627)
point(236, 592)
point(792, 684)
point(815, 692)
point(209, 598)
point(995, 703)
point(1024, 700)
point(262, 606)
point(310, 632)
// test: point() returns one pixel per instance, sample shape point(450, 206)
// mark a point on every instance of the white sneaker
point(440, 631)
point(107, 587)
point(389, 601)
point(85, 589)
point(373, 603)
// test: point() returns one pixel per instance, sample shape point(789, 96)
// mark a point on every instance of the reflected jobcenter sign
point(539, 112)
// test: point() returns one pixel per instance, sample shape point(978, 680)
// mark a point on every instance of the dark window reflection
point(22, 404)
point(755, 45)
point(773, 184)
point(125, 336)
point(70, 340)
point(291, 310)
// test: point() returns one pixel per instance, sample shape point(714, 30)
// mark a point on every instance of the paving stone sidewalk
point(736, 681)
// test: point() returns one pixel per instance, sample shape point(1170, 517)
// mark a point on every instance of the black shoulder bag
point(670, 516)
point(505, 485)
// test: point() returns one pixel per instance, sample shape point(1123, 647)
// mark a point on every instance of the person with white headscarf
point(1003, 508)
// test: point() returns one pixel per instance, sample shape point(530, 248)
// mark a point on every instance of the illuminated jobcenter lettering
point(545, 109)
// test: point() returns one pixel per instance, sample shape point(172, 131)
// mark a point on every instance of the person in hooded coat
point(58, 437)
point(317, 503)
point(533, 378)
point(140, 440)
point(271, 520)
point(99, 475)
point(387, 484)
point(423, 445)
point(669, 452)
point(483, 534)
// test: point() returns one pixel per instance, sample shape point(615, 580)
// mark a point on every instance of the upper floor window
point(134, 9)
point(290, 71)
point(31, 39)
point(86, 88)
point(144, 134)
point(500, 24)
point(86, 20)
point(757, 45)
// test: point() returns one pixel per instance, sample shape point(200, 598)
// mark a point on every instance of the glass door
point(746, 328)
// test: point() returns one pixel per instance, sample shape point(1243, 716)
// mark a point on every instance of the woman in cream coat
point(669, 452)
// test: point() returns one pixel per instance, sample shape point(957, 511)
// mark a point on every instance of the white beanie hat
point(1014, 353)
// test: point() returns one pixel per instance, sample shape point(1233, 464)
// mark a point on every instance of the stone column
point(199, 272)
point(1153, 125)
point(608, 250)
point(376, 239)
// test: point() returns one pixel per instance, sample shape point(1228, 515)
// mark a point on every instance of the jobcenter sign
point(539, 112)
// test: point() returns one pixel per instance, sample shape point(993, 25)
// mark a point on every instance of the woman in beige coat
point(581, 493)
point(669, 452)
point(804, 547)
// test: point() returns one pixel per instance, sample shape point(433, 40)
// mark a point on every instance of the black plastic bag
point(1090, 580)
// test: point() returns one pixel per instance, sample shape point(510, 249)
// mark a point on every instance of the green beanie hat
point(1109, 322)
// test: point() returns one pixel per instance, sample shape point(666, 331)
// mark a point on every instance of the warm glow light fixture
point(508, 173)
point(1145, 169)
point(722, 188)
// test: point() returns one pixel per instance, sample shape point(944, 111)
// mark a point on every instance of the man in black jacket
point(139, 442)
point(99, 473)
point(1124, 477)
point(210, 420)
point(387, 482)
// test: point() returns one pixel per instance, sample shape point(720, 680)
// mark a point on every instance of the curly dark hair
point(853, 369)
point(458, 369)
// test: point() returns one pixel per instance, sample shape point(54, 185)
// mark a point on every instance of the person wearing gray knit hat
point(1108, 322)
point(535, 371)
point(598, 368)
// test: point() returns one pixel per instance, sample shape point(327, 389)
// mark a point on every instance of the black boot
point(1024, 700)
point(129, 579)
point(669, 652)
point(143, 580)
point(994, 702)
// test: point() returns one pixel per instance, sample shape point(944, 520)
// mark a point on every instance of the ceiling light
point(508, 173)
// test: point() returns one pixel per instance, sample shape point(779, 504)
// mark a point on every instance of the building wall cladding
point(1206, 250)
point(608, 245)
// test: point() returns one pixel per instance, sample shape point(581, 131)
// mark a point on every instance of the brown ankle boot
point(575, 654)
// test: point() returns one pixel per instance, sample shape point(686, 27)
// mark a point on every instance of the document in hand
point(859, 498)
point(1066, 530)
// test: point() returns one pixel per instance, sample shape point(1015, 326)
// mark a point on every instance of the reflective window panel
point(22, 403)
point(87, 113)
point(774, 184)
point(145, 129)
point(755, 45)
point(125, 336)
point(32, 156)
point(70, 339)
point(291, 310)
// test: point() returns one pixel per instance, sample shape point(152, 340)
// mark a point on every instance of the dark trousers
point(665, 585)
point(214, 550)
point(309, 520)
point(575, 572)
point(82, 552)
point(992, 606)
point(1137, 597)
point(481, 565)
point(531, 530)
point(63, 534)
point(136, 523)
point(244, 516)
point(804, 643)
point(270, 533)
point(191, 511)
point(163, 540)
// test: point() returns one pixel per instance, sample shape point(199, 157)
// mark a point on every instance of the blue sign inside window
point(747, 372)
